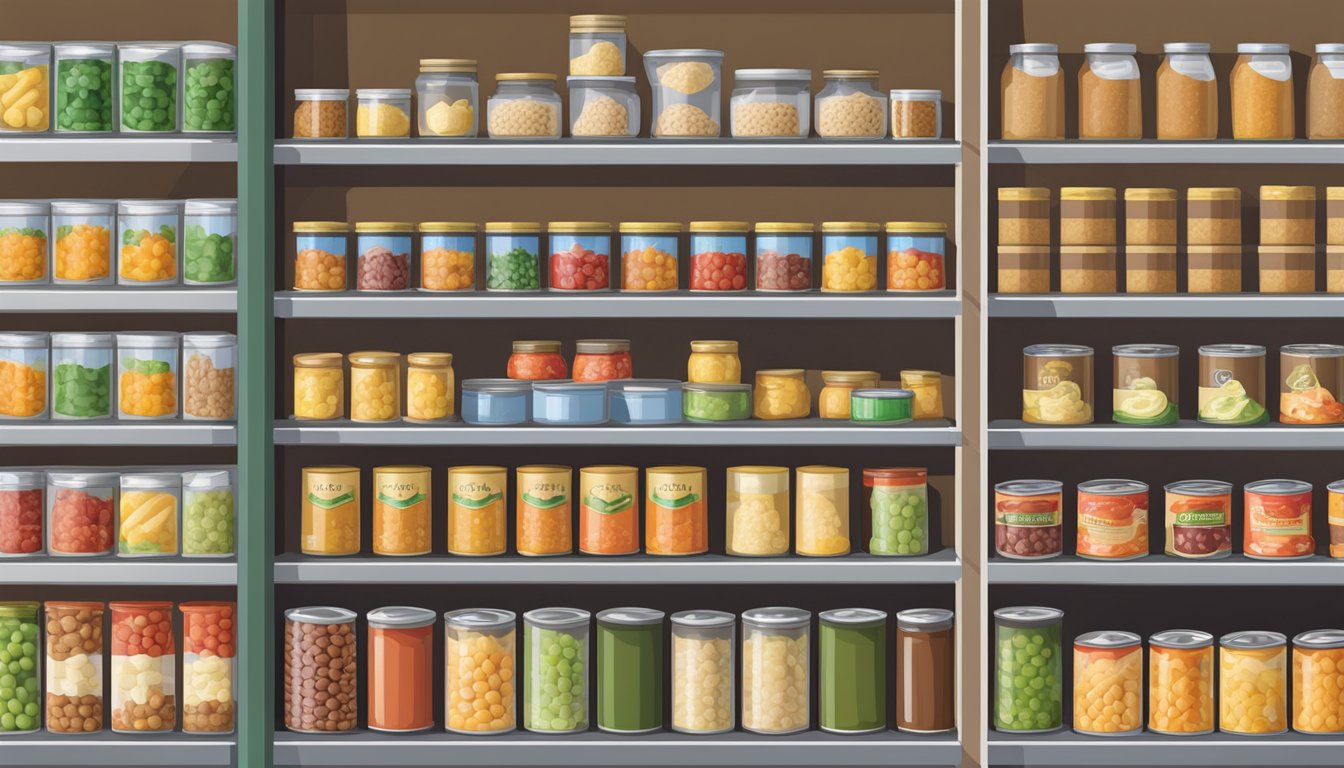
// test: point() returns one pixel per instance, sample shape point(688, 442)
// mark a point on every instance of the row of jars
point(142, 670)
point(581, 256)
point(628, 660)
point(151, 243)
point(895, 511)
point(71, 376)
point(1252, 672)
point(1110, 100)
point(101, 88)
point(145, 512)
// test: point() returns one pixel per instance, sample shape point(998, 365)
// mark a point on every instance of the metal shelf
point(1164, 570)
point(137, 433)
point(113, 570)
point(1187, 435)
point(1151, 151)
point(68, 299)
point(1149, 749)
point(1125, 306)
point(171, 750)
point(117, 149)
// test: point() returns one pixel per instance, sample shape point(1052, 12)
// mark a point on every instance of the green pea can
point(1028, 679)
point(853, 670)
point(555, 656)
point(884, 406)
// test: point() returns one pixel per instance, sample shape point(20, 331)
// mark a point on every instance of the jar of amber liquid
point(1213, 216)
point(1109, 103)
point(430, 386)
point(1325, 93)
point(1187, 93)
point(833, 402)
point(401, 510)
point(375, 386)
point(1262, 92)
point(1033, 93)
point(319, 386)
point(928, 389)
point(329, 522)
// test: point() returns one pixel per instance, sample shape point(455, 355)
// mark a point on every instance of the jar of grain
point(1187, 93)
point(1287, 215)
point(1262, 92)
point(1150, 216)
point(1024, 216)
point(1033, 93)
point(1150, 268)
point(1325, 93)
point(1213, 216)
point(1087, 269)
point(321, 113)
point(1334, 215)
point(1024, 269)
point(916, 114)
point(1334, 269)
point(1087, 216)
point(1213, 269)
point(1287, 268)
point(1109, 103)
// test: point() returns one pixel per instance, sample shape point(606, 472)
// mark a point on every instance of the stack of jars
point(1024, 240)
point(1150, 240)
point(1287, 239)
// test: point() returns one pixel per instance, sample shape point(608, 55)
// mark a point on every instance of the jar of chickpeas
point(320, 251)
point(429, 386)
point(319, 386)
point(375, 386)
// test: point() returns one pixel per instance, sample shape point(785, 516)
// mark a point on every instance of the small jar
point(1317, 656)
point(401, 669)
point(375, 386)
point(1287, 269)
point(150, 231)
point(1024, 216)
point(209, 377)
point(630, 670)
point(713, 362)
point(496, 401)
point(147, 375)
point(1150, 216)
point(327, 711)
point(676, 512)
point(850, 265)
point(82, 253)
point(319, 386)
point(703, 672)
point(23, 242)
point(916, 253)
point(1024, 269)
point(1334, 215)
point(1109, 101)
point(833, 402)
point(321, 113)
point(896, 511)
point(1187, 93)
point(757, 511)
point(928, 389)
point(210, 242)
point(383, 113)
point(83, 85)
point(401, 510)
point(608, 510)
point(537, 360)
point(821, 514)
point(603, 107)
point(320, 255)
point(784, 256)
point(81, 510)
point(852, 670)
point(1108, 684)
point(1150, 269)
point(569, 403)
point(209, 518)
point(1213, 269)
point(926, 670)
point(850, 105)
point(513, 256)
point(1213, 216)
point(1325, 93)
point(75, 659)
point(81, 376)
point(1180, 682)
point(1087, 216)
point(602, 360)
point(209, 87)
point(544, 510)
point(448, 96)
point(1262, 92)
point(22, 508)
point(525, 106)
point(480, 651)
point(1032, 93)
point(1287, 215)
point(597, 45)
point(1087, 269)
point(447, 256)
point(477, 511)
point(580, 256)
point(555, 693)
point(1028, 638)
point(916, 114)
point(776, 659)
point(26, 84)
point(781, 393)
point(645, 401)
point(149, 84)
point(1253, 683)
point(1057, 384)
point(686, 84)
point(716, 402)
point(881, 406)
point(384, 262)
point(1146, 384)
point(772, 103)
point(430, 387)
point(719, 256)
point(649, 256)
point(147, 521)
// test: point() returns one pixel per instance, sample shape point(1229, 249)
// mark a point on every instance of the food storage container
point(896, 510)
point(1180, 682)
point(83, 241)
point(537, 360)
point(1028, 638)
point(1232, 384)
point(781, 393)
point(1112, 519)
point(1108, 675)
point(330, 511)
point(717, 402)
point(1334, 268)
point(210, 238)
point(608, 514)
point(402, 510)
point(25, 81)
point(602, 359)
point(1028, 519)
point(851, 256)
point(1147, 384)
point(21, 512)
point(757, 511)
point(1317, 655)
point(447, 256)
point(886, 406)
point(383, 113)
point(784, 256)
point(850, 105)
point(1287, 268)
point(821, 515)
point(927, 387)
point(1057, 384)
point(916, 114)
point(23, 242)
point(80, 513)
point(321, 113)
point(476, 510)
point(24, 367)
point(1150, 269)
point(1187, 93)
point(1325, 93)
point(544, 510)
point(676, 518)
point(597, 45)
point(384, 262)
point(144, 668)
point(448, 96)
point(926, 671)
point(1287, 215)
point(772, 103)
point(209, 390)
point(649, 256)
point(1087, 269)
point(148, 247)
point(569, 403)
point(833, 401)
point(525, 106)
point(1024, 216)
point(1150, 216)
point(1024, 269)
point(714, 362)
point(147, 523)
point(1032, 87)
point(1199, 519)
point(1087, 216)
point(74, 660)
point(496, 401)
point(776, 660)
point(1309, 377)
point(1213, 216)
point(147, 375)
point(556, 657)
point(319, 261)
point(1109, 100)
point(1278, 520)
point(148, 79)
point(1253, 683)
point(630, 670)
point(703, 672)
point(319, 386)
point(603, 107)
point(1334, 215)
point(401, 669)
point(512, 256)
point(20, 627)
point(1213, 269)
point(329, 703)
point(719, 256)
point(480, 651)
point(430, 388)
point(916, 251)
point(209, 677)
point(375, 386)
point(686, 84)
point(852, 670)
point(83, 84)
point(209, 88)
point(1262, 92)
point(580, 255)
point(209, 521)
point(645, 401)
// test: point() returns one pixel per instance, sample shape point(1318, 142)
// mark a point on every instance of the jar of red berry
point(783, 256)
point(719, 256)
point(602, 360)
point(580, 255)
point(537, 360)
point(21, 510)
point(916, 256)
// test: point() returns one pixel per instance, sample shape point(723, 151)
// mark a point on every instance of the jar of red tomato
point(1028, 524)
point(1278, 520)
point(580, 255)
point(916, 254)
point(719, 256)
point(21, 513)
point(602, 360)
point(80, 512)
point(783, 256)
point(537, 360)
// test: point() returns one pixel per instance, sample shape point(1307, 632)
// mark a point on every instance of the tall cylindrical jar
point(209, 520)
point(24, 367)
point(209, 383)
point(74, 699)
point(147, 525)
point(1057, 384)
point(1110, 105)
point(703, 671)
point(149, 240)
point(319, 386)
point(144, 668)
point(209, 87)
point(897, 502)
point(447, 256)
point(821, 518)
point(148, 79)
point(402, 505)
point(1027, 642)
point(676, 516)
point(23, 242)
point(329, 522)
point(1180, 682)
point(925, 671)
point(649, 256)
point(82, 244)
point(512, 256)
point(210, 240)
point(1032, 93)
point(597, 45)
point(1325, 93)
point(757, 511)
point(83, 85)
point(850, 264)
point(783, 256)
point(81, 512)
point(1253, 683)
point(147, 375)
point(21, 513)
point(1187, 93)
point(852, 670)
point(449, 98)
point(1262, 92)
point(209, 676)
point(480, 647)
point(1318, 663)
point(776, 664)
point(321, 670)
point(21, 628)
point(556, 659)
point(1146, 385)
point(431, 392)
point(630, 670)
point(401, 669)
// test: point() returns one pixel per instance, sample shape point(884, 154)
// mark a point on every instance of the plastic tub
point(82, 249)
point(496, 401)
point(147, 386)
point(24, 229)
point(603, 107)
point(645, 401)
point(850, 106)
point(150, 232)
point(686, 84)
point(210, 242)
point(209, 377)
point(569, 403)
point(447, 256)
point(81, 376)
point(716, 402)
point(25, 81)
point(83, 84)
point(916, 114)
point(771, 103)
point(383, 113)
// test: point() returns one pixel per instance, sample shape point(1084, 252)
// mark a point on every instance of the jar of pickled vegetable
point(714, 362)
point(776, 664)
point(833, 402)
point(210, 677)
point(1028, 649)
point(703, 672)
point(852, 670)
point(23, 242)
point(1318, 666)
point(430, 387)
point(83, 84)
point(149, 87)
point(375, 386)
point(1180, 682)
point(512, 256)
point(1109, 103)
point(25, 81)
point(480, 653)
point(320, 255)
point(850, 265)
point(580, 255)
point(1253, 683)
point(649, 256)
point(329, 523)
point(476, 510)
point(556, 658)
point(1028, 519)
point(1278, 520)
point(821, 517)
point(916, 253)
point(210, 239)
point(209, 96)
point(781, 393)
point(149, 242)
point(21, 511)
point(83, 241)
point(384, 262)
point(608, 516)
point(447, 256)
point(402, 504)
point(896, 519)
point(448, 95)
point(783, 256)
point(757, 511)
point(676, 518)
point(1187, 93)
point(208, 518)
point(1325, 93)
point(209, 391)
point(928, 389)
point(1033, 93)
point(319, 386)
point(24, 363)
point(147, 375)
point(1108, 684)
point(545, 509)
point(630, 664)
point(1262, 92)
point(21, 629)
point(147, 524)
point(80, 512)
point(719, 256)
point(537, 360)
point(401, 669)
point(75, 650)
point(602, 360)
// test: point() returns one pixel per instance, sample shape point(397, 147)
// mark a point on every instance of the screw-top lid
point(1180, 638)
point(1185, 48)
point(1252, 639)
point(1112, 487)
point(401, 617)
point(849, 226)
point(1121, 48)
point(650, 227)
point(1087, 193)
point(18, 609)
point(377, 359)
point(1034, 48)
point(1023, 194)
point(1028, 487)
point(787, 373)
point(319, 614)
point(448, 226)
point(777, 617)
point(601, 346)
point(720, 347)
point(882, 394)
point(514, 227)
point(702, 619)
point(848, 377)
point(448, 65)
point(1150, 194)
point(321, 94)
point(313, 227)
point(480, 619)
point(1213, 193)
point(1057, 350)
point(1027, 616)
point(1232, 350)
point(1199, 487)
point(319, 360)
point(1146, 350)
point(924, 620)
point(719, 226)
point(597, 22)
point(1264, 48)
point(536, 345)
point(854, 617)
point(915, 227)
point(850, 74)
point(579, 227)
point(510, 77)
point(1280, 192)
point(915, 94)
point(388, 94)
point(430, 359)
point(1314, 638)
point(384, 226)
point(558, 618)
point(782, 227)
point(1108, 639)
point(630, 616)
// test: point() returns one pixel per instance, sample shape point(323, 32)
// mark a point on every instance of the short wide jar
point(781, 393)
point(1024, 216)
point(850, 106)
point(772, 103)
point(1150, 269)
point(1150, 216)
point(1087, 269)
point(1024, 269)
point(1287, 215)
point(383, 113)
point(1087, 216)
point(1287, 269)
point(375, 386)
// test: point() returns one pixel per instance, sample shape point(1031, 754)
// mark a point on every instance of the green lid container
point(885, 406)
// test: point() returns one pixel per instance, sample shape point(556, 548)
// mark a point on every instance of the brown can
point(1024, 269)
point(926, 702)
point(1232, 384)
point(321, 672)
point(1057, 384)
point(1213, 269)
point(1310, 377)
point(1087, 269)
point(1147, 384)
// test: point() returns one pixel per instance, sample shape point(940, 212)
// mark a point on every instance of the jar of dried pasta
point(1287, 268)
point(1213, 216)
point(1087, 216)
point(1150, 216)
point(1187, 93)
point(1024, 216)
point(1325, 93)
point(1150, 268)
point(1262, 92)
point(1109, 103)
point(1287, 215)
point(1087, 269)
point(1033, 93)
point(1334, 215)
point(1213, 269)
point(1024, 269)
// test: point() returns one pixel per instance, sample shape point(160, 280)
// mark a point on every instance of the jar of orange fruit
point(649, 256)
point(148, 241)
point(24, 364)
point(23, 242)
point(320, 255)
point(1318, 679)
point(447, 256)
point(916, 256)
point(147, 375)
point(83, 241)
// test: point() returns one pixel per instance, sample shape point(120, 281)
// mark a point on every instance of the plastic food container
point(927, 387)
point(1316, 656)
point(80, 512)
point(209, 390)
point(1112, 520)
point(1028, 637)
point(82, 251)
point(850, 105)
point(850, 265)
point(1213, 216)
point(896, 514)
point(1325, 93)
point(1032, 93)
point(1309, 377)
point(210, 240)
point(209, 94)
point(20, 626)
point(1253, 683)
point(402, 504)
point(714, 362)
point(784, 256)
point(1087, 216)
point(580, 256)
point(630, 664)
point(537, 360)
point(1147, 384)
point(1287, 215)
point(608, 514)
point(833, 401)
point(74, 661)
point(781, 393)
point(147, 375)
point(776, 659)
point(1087, 269)
point(1057, 384)
point(21, 512)
point(83, 84)
point(1108, 673)
point(821, 516)
point(1187, 93)
point(310, 704)
point(569, 403)
point(1028, 519)
point(1199, 519)
point(603, 107)
point(496, 401)
point(772, 103)
point(1150, 216)
point(926, 664)
point(686, 84)
point(209, 677)
point(719, 256)
point(449, 98)
point(717, 402)
point(703, 672)
point(1150, 269)
point(144, 667)
point(149, 85)
point(384, 256)
point(852, 670)
point(321, 113)
point(544, 510)
point(1180, 682)
point(602, 359)
point(430, 387)
point(676, 518)
point(1334, 268)
point(1278, 520)
point(915, 256)
point(23, 242)
point(1024, 269)
point(1334, 215)
point(1109, 102)
point(330, 511)
point(645, 401)
point(1232, 384)
point(757, 511)
point(24, 367)
point(147, 524)
point(512, 256)
point(597, 45)
point(525, 106)
point(480, 647)
point(1213, 269)
point(383, 113)
point(476, 510)
point(320, 255)
point(375, 386)
point(401, 669)
point(555, 694)
point(1262, 92)
point(649, 256)
point(25, 81)
point(916, 114)
point(149, 242)
point(208, 517)
point(1024, 216)
point(319, 386)
point(447, 256)
point(886, 406)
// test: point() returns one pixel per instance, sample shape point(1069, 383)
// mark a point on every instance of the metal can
point(1278, 520)
point(1028, 524)
point(1311, 376)
point(676, 520)
point(544, 510)
point(1112, 519)
point(1180, 682)
point(401, 510)
point(608, 512)
point(330, 514)
point(1232, 384)
point(1199, 519)
point(476, 510)
point(1108, 683)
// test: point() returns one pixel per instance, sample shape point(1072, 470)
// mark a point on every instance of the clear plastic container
point(525, 106)
point(1024, 216)
point(916, 114)
point(686, 84)
point(1057, 384)
point(1028, 637)
point(209, 520)
point(603, 107)
point(757, 511)
point(210, 242)
point(544, 510)
point(1180, 682)
point(645, 401)
point(649, 256)
point(1150, 216)
point(703, 672)
point(209, 88)
point(83, 85)
point(448, 97)
point(480, 651)
point(1108, 683)
point(1087, 216)
point(74, 660)
point(24, 228)
point(209, 674)
point(1213, 216)
point(1325, 93)
point(447, 256)
point(375, 386)
point(25, 81)
point(496, 401)
point(384, 263)
point(1317, 656)
point(580, 256)
point(716, 402)
point(82, 251)
point(401, 669)
point(851, 106)
point(320, 255)
point(149, 87)
point(81, 508)
point(602, 359)
point(821, 516)
point(319, 386)
point(1033, 93)
point(776, 664)
point(383, 113)
point(322, 113)
point(1187, 93)
point(477, 508)
point(21, 513)
point(431, 393)
point(402, 500)
point(20, 625)
point(852, 670)
point(630, 670)
point(1109, 101)
point(850, 264)
point(896, 511)
point(1262, 92)
point(148, 243)
point(833, 402)
point(1288, 215)
point(719, 256)
point(676, 511)
point(771, 103)
point(1253, 683)
point(783, 256)
point(209, 380)
point(556, 656)
point(147, 375)
point(569, 403)
point(147, 523)
point(927, 387)
point(330, 703)
point(916, 256)
point(329, 518)
point(597, 45)
point(513, 256)
point(781, 393)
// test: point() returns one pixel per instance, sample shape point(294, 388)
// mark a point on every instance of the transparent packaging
point(209, 519)
point(496, 401)
point(210, 242)
point(1057, 384)
point(1317, 658)
point(1146, 385)
point(1187, 93)
point(776, 663)
point(480, 651)
point(149, 87)
point(83, 84)
point(703, 672)
point(556, 656)
point(1032, 93)
point(1232, 384)
point(717, 402)
point(24, 367)
point(649, 256)
point(384, 263)
point(1024, 269)
point(602, 360)
point(537, 360)
point(852, 670)
point(686, 84)
point(447, 256)
point(1024, 216)
point(1288, 215)
point(144, 668)
point(74, 667)
point(645, 401)
point(147, 375)
point(321, 670)
point(833, 402)
point(1087, 216)
point(544, 510)
point(1253, 683)
point(1213, 216)
point(21, 628)
point(329, 522)
point(401, 669)
point(82, 251)
point(1028, 519)
point(916, 256)
point(209, 93)
point(81, 508)
point(1310, 375)
point(319, 386)
point(569, 403)
point(608, 510)
point(25, 82)
point(718, 256)
point(580, 256)
point(320, 255)
point(1180, 683)
point(431, 392)
point(21, 513)
point(383, 113)
point(525, 106)
point(448, 97)
point(23, 242)
point(757, 511)
point(147, 524)
point(1028, 637)
point(1325, 93)
point(781, 393)
point(375, 386)
point(714, 362)
point(477, 508)
point(850, 105)
point(148, 254)
point(850, 264)
point(1108, 683)
point(402, 510)
point(1109, 101)
point(321, 113)
point(1262, 92)
point(676, 511)
point(783, 256)
point(771, 103)
point(926, 671)
point(603, 107)
point(209, 673)
point(513, 256)
point(821, 517)
point(597, 45)
point(209, 381)
point(896, 514)
point(916, 114)
point(630, 670)
point(927, 387)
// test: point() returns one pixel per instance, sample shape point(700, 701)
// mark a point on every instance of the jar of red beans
point(1028, 522)
point(21, 513)
point(580, 255)
point(80, 511)
point(916, 256)
point(384, 255)
point(602, 360)
point(537, 360)
point(719, 256)
point(783, 256)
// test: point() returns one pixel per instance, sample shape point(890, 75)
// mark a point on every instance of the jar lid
point(1112, 487)
point(318, 360)
point(1087, 193)
point(931, 227)
point(509, 77)
point(1232, 350)
point(321, 94)
point(207, 606)
point(1023, 194)
point(82, 479)
point(569, 386)
point(558, 618)
point(1213, 193)
point(318, 614)
point(517, 227)
point(430, 359)
point(210, 48)
point(763, 227)
point(854, 617)
point(1199, 487)
point(1312, 638)
point(781, 372)
point(719, 347)
point(772, 74)
point(209, 207)
point(480, 619)
point(1028, 487)
point(644, 387)
point(375, 358)
point(1185, 47)
point(719, 226)
point(206, 479)
point(21, 478)
point(749, 469)
point(597, 80)
point(448, 226)
point(302, 227)
point(924, 620)
point(1057, 350)
point(601, 346)
point(1334, 193)
point(823, 469)
point(1107, 638)
point(1269, 48)
point(1252, 639)
point(83, 49)
point(777, 617)
point(21, 609)
point(148, 339)
point(918, 375)
point(1027, 616)
point(140, 606)
point(448, 65)
point(882, 394)
point(332, 469)
point(579, 227)
point(849, 226)
point(499, 387)
point(703, 619)
point(1150, 194)
point(384, 226)
point(1301, 350)
point(159, 46)
point(716, 388)
point(148, 207)
point(400, 617)
point(916, 94)
point(383, 93)
point(23, 208)
point(1147, 350)
point(849, 377)
point(536, 345)
point(24, 339)
point(1330, 47)
point(1033, 48)
point(597, 22)
point(209, 339)
point(684, 53)
point(917, 474)
point(151, 481)
point(631, 617)
point(1279, 487)
point(650, 227)
point(86, 207)
point(1287, 193)
point(1122, 48)
point(850, 74)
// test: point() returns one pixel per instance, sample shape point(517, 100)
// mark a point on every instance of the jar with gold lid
point(714, 362)
point(319, 386)
point(1213, 216)
point(833, 402)
point(375, 386)
point(430, 386)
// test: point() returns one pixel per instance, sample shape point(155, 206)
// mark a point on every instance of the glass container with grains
point(1033, 93)
point(1109, 103)
point(1187, 93)
point(1262, 92)
point(1325, 93)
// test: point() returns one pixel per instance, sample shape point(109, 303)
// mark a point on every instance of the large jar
point(1325, 93)
point(447, 256)
point(1253, 683)
point(1187, 93)
point(384, 262)
point(449, 97)
point(1112, 520)
point(776, 659)
point(22, 509)
point(477, 510)
point(383, 113)
point(82, 249)
point(676, 517)
point(1027, 640)
point(821, 519)
point(81, 508)
point(75, 650)
point(21, 628)
point(850, 264)
point(513, 256)
point(714, 362)
point(1232, 384)
point(1032, 93)
point(150, 234)
point(329, 517)
point(1180, 682)
point(686, 84)
point(319, 386)
point(649, 256)
point(23, 242)
point(1108, 683)
point(1213, 216)
point(375, 386)
point(1146, 388)
point(896, 519)
point(1311, 376)
point(1318, 663)
point(480, 665)
point(852, 670)
point(83, 84)
point(1029, 519)
point(24, 367)
point(1199, 519)
point(608, 512)
point(402, 504)
point(580, 256)
point(147, 375)
point(144, 668)
point(320, 255)
point(209, 380)
point(757, 511)
point(556, 658)
point(1057, 384)
point(926, 671)
point(321, 670)
point(525, 106)
point(209, 519)
point(784, 256)
point(1262, 92)
point(630, 668)
point(703, 672)
point(1110, 105)
point(851, 106)
point(772, 103)
point(597, 45)
point(781, 393)
point(210, 242)
point(149, 86)
point(401, 669)
point(209, 674)
point(209, 87)
point(147, 523)
point(1278, 520)
point(544, 510)
point(430, 387)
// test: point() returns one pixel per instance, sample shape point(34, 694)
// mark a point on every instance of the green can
point(555, 657)
point(1029, 682)
point(883, 406)
point(853, 670)
point(630, 670)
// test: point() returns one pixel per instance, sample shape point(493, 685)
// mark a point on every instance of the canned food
point(544, 506)
point(1253, 683)
point(1112, 519)
point(1336, 518)
point(1057, 384)
point(401, 510)
point(676, 521)
point(1027, 638)
point(608, 520)
point(1147, 384)
point(1318, 676)
point(1232, 384)
point(1108, 683)
point(1180, 682)
point(1199, 519)
point(476, 510)
point(1309, 377)
point(1278, 520)
point(1028, 522)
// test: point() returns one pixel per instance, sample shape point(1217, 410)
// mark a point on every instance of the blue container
point(496, 401)
point(569, 403)
point(454, 237)
point(645, 401)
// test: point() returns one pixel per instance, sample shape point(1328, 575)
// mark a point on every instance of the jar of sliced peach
point(148, 241)
point(147, 375)
point(320, 255)
point(319, 386)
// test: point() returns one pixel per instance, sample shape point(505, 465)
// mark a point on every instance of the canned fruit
point(781, 394)
point(607, 516)
point(648, 269)
point(718, 271)
point(149, 257)
point(20, 522)
point(1253, 691)
point(319, 393)
point(330, 511)
point(148, 524)
point(544, 511)
point(23, 254)
point(429, 395)
point(1318, 679)
point(401, 511)
point(1335, 516)
point(556, 696)
point(318, 270)
point(83, 252)
point(374, 394)
point(476, 511)
point(849, 269)
point(24, 98)
point(148, 388)
point(148, 96)
point(1057, 384)
point(445, 269)
point(1180, 690)
point(579, 269)
point(676, 520)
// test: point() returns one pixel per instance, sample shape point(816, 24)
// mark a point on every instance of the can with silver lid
point(703, 671)
point(926, 671)
point(556, 657)
point(852, 670)
point(630, 670)
point(1027, 639)
point(321, 670)
point(1278, 520)
point(1180, 682)
point(1112, 519)
point(401, 669)
point(1057, 384)
point(1253, 683)
point(479, 646)
point(776, 683)
point(1147, 384)
point(1232, 384)
point(1108, 683)
point(1318, 662)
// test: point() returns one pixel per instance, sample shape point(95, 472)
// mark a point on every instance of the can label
point(328, 490)
point(676, 520)
point(1279, 525)
point(607, 518)
point(544, 489)
point(1112, 526)
point(1336, 520)
point(675, 491)
point(475, 490)
point(1198, 526)
point(1028, 527)
point(401, 490)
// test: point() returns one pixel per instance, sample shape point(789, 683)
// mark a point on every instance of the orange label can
point(544, 510)
point(1336, 517)
point(1112, 519)
point(676, 519)
point(1278, 520)
point(608, 510)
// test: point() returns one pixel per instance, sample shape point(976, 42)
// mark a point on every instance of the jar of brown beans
point(209, 386)
point(74, 701)
point(321, 113)
point(321, 673)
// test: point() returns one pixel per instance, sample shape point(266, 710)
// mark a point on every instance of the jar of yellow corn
point(833, 402)
point(928, 389)
point(757, 511)
point(430, 386)
point(401, 510)
point(1180, 682)
point(148, 232)
point(1253, 683)
point(147, 375)
point(375, 386)
point(82, 232)
point(851, 251)
point(319, 386)
point(1318, 681)
point(476, 510)
point(329, 524)
point(148, 519)
point(714, 362)
point(821, 519)
point(781, 393)
point(24, 364)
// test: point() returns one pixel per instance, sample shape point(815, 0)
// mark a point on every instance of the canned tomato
point(1028, 523)
point(1310, 378)
point(1336, 518)
point(1112, 519)
point(1199, 518)
point(1278, 520)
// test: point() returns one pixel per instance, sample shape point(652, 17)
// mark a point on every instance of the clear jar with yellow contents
point(649, 256)
point(1318, 680)
point(1180, 682)
point(375, 386)
point(430, 387)
point(821, 516)
point(479, 683)
point(713, 362)
point(329, 524)
point(1108, 683)
point(833, 402)
point(24, 366)
point(476, 510)
point(147, 375)
point(928, 389)
point(1253, 683)
point(319, 386)
point(401, 510)
point(781, 393)
point(850, 264)
point(758, 511)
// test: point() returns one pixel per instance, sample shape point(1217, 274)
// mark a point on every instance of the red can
point(20, 513)
point(719, 256)
point(1278, 520)
point(602, 360)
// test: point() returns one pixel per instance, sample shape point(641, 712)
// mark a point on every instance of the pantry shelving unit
point(1160, 569)
point(117, 149)
point(1184, 436)
point(113, 433)
point(1070, 749)
point(1166, 152)
point(65, 299)
point(177, 571)
point(1173, 307)
point(112, 749)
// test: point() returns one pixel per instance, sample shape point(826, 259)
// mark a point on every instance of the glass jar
point(1028, 643)
point(80, 513)
point(850, 105)
point(1024, 216)
point(916, 114)
point(537, 360)
point(23, 242)
point(1087, 216)
point(310, 704)
point(556, 657)
point(915, 256)
point(1278, 520)
point(512, 256)
point(144, 668)
point(1309, 377)
point(608, 517)
point(1325, 93)
point(20, 626)
point(1087, 269)
point(149, 238)
point(430, 389)
point(25, 80)
point(525, 106)
point(24, 367)
point(603, 107)
point(757, 511)
point(686, 84)
point(477, 510)
point(1147, 384)
point(401, 669)
point(645, 401)
point(1057, 384)
point(896, 514)
point(1109, 101)
point(1213, 269)
point(147, 375)
point(544, 510)
point(1287, 268)
point(649, 256)
point(714, 362)
point(449, 96)
point(597, 45)
point(602, 359)
point(781, 393)
point(1024, 269)
point(833, 402)
point(1028, 519)
point(320, 252)
point(1199, 519)
point(1317, 656)
point(630, 670)
point(927, 387)
point(74, 667)
point(676, 513)
point(329, 522)
point(82, 254)
point(1180, 682)
point(1262, 92)
point(208, 517)
point(852, 670)
point(447, 256)
point(717, 402)
point(319, 386)
point(496, 401)
point(1150, 269)
point(1150, 216)
point(1253, 683)
point(375, 386)
point(580, 256)
point(1187, 93)
point(719, 256)
point(83, 84)
point(772, 103)
point(384, 262)
point(776, 659)
point(480, 647)
point(1232, 384)
point(402, 510)
point(783, 256)
point(1033, 93)
point(1287, 215)
point(209, 95)
point(21, 511)
point(209, 391)
point(321, 113)
point(383, 113)
point(821, 517)
point(209, 676)
point(851, 256)
point(147, 524)
point(703, 672)
point(1213, 216)
point(149, 84)
point(210, 239)
point(1108, 675)
point(1334, 216)
point(926, 671)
